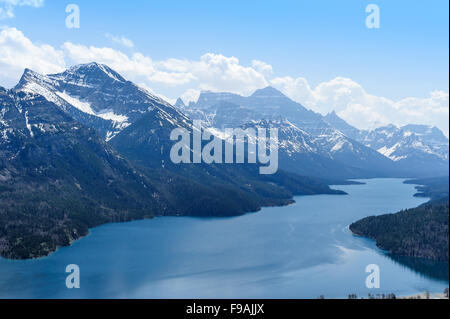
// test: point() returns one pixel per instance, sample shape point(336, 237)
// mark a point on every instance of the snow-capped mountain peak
point(88, 73)
point(415, 147)
point(302, 132)
point(97, 96)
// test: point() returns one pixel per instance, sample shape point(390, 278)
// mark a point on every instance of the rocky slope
point(418, 149)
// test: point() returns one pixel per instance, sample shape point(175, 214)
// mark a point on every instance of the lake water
point(300, 251)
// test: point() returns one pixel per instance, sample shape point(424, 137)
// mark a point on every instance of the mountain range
point(311, 144)
point(85, 147)
point(327, 146)
point(419, 149)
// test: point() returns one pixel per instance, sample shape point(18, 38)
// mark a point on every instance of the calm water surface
point(299, 251)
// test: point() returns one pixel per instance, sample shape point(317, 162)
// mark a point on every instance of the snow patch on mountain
point(106, 114)
point(28, 124)
point(388, 152)
point(40, 89)
point(82, 106)
point(110, 115)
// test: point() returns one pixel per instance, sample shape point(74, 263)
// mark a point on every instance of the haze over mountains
point(419, 149)
point(327, 145)
point(86, 146)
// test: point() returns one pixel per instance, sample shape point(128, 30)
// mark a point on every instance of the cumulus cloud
point(120, 40)
point(364, 110)
point(213, 72)
point(7, 6)
point(262, 67)
point(190, 95)
point(17, 52)
point(216, 72)
point(136, 67)
point(297, 89)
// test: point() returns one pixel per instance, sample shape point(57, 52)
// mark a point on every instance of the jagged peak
point(81, 69)
point(334, 119)
point(29, 77)
point(29, 74)
point(179, 103)
point(28, 71)
point(332, 114)
point(268, 91)
point(421, 129)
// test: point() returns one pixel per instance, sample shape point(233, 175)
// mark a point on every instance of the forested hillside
point(418, 232)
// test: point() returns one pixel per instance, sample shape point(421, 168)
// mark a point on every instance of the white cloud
point(216, 72)
point(220, 73)
point(213, 72)
point(190, 95)
point(137, 67)
point(17, 52)
point(262, 67)
point(364, 110)
point(120, 40)
point(297, 89)
point(7, 6)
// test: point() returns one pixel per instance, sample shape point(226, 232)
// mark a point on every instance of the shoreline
point(288, 202)
point(423, 295)
point(285, 203)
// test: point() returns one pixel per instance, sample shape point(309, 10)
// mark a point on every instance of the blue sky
point(314, 40)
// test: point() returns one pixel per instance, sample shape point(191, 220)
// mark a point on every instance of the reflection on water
point(425, 267)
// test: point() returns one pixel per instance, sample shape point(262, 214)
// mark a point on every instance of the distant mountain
point(147, 144)
point(264, 104)
point(419, 149)
point(338, 123)
point(300, 153)
point(335, 154)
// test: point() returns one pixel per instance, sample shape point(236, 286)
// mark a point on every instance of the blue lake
point(300, 251)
